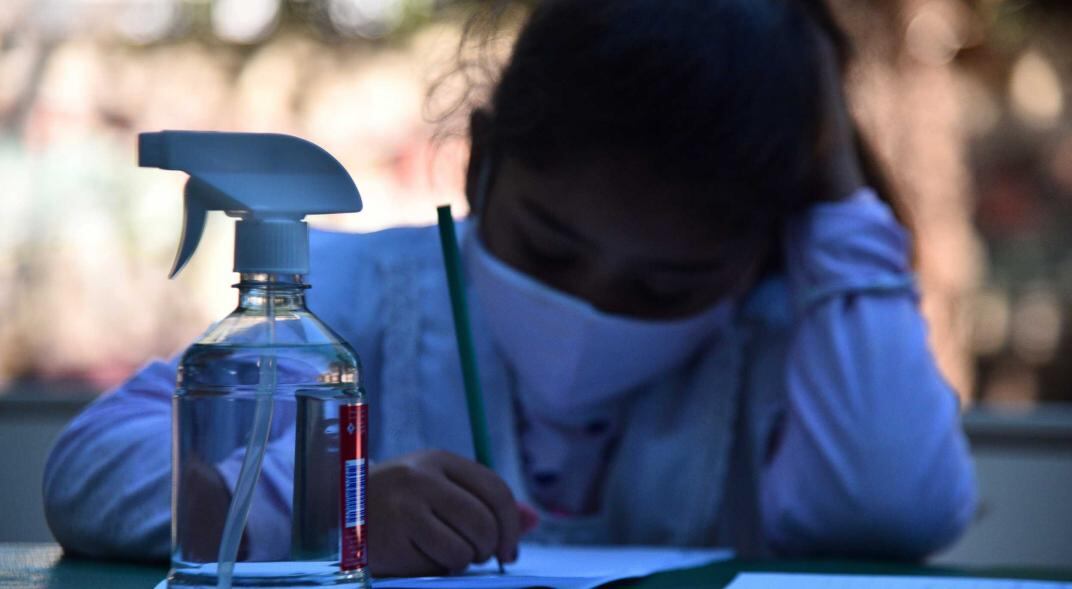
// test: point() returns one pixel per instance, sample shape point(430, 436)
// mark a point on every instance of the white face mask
point(567, 354)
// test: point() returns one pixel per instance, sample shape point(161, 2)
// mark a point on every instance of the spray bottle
point(269, 412)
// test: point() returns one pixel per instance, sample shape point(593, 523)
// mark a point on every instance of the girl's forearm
point(870, 459)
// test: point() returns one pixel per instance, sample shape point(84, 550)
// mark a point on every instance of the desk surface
point(43, 566)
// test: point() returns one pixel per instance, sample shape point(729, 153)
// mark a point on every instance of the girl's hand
point(837, 173)
point(203, 512)
point(433, 512)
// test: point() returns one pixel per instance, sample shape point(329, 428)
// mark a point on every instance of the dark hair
point(716, 93)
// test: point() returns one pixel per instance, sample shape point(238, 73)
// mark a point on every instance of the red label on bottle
point(353, 471)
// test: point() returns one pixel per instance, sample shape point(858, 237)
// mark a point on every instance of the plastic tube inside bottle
point(238, 512)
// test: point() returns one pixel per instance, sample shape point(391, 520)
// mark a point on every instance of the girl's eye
point(668, 289)
point(540, 244)
point(548, 251)
point(682, 289)
point(674, 283)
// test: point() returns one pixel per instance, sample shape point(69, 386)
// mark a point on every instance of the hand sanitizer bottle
point(269, 414)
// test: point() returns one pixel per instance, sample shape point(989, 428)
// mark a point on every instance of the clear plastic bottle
point(271, 355)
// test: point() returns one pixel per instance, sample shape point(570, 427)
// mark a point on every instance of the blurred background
point(968, 101)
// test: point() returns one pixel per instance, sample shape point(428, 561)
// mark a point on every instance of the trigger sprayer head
point(269, 181)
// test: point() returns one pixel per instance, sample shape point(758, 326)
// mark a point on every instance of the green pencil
point(474, 398)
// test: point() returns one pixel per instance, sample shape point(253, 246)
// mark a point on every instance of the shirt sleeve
point(871, 459)
point(107, 484)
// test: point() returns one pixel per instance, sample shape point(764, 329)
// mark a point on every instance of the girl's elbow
point(913, 521)
point(96, 508)
point(914, 529)
point(953, 510)
point(887, 519)
point(64, 511)
point(97, 523)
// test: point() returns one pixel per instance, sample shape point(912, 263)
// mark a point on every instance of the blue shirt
point(816, 423)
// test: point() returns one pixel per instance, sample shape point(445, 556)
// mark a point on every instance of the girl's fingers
point(441, 544)
point(468, 516)
point(484, 484)
point(411, 561)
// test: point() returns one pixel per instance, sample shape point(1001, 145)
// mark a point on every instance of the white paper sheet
point(785, 581)
point(567, 567)
point(563, 567)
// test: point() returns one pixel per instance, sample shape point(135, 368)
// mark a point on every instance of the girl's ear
point(479, 158)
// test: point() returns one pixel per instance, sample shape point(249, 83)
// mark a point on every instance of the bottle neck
point(259, 292)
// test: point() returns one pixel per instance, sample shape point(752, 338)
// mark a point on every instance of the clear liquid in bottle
point(306, 522)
